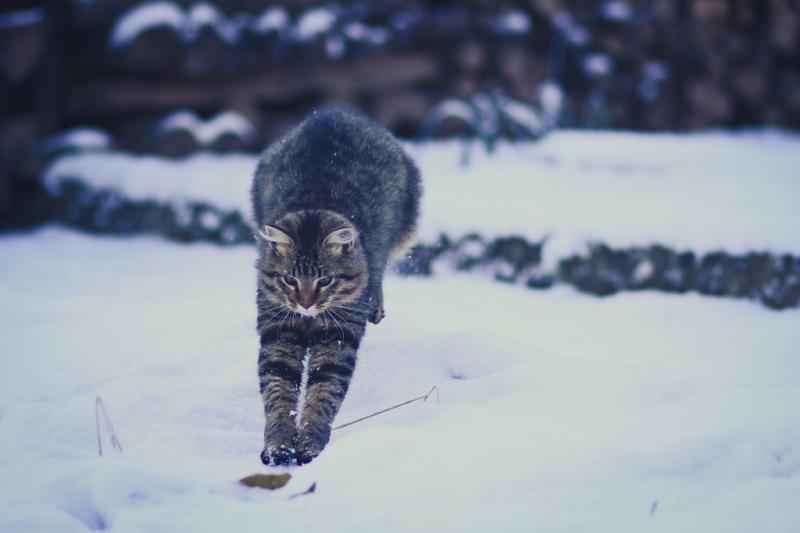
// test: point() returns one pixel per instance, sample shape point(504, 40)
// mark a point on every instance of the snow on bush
point(187, 24)
point(272, 19)
point(374, 35)
point(616, 10)
point(313, 22)
point(513, 23)
point(144, 17)
point(86, 138)
point(573, 33)
point(206, 132)
point(206, 15)
point(597, 65)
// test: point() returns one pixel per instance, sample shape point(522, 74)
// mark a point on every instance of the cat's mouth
point(312, 311)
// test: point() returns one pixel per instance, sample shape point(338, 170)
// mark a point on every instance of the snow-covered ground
point(559, 412)
point(703, 192)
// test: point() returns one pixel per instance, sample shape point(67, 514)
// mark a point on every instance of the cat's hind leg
point(376, 312)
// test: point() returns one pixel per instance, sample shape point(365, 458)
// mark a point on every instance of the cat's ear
point(341, 240)
point(275, 237)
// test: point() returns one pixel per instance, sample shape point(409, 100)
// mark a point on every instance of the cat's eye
point(326, 280)
point(289, 280)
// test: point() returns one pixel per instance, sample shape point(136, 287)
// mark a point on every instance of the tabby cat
point(332, 201)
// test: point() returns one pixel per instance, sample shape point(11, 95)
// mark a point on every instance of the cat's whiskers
point(270, 309)
point(338, 325)
point(346, 323)
point(287, 312)
point(275, 312)
point(356, 310)
point(270, 304)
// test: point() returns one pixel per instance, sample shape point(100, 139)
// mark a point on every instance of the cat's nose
point(306, 299)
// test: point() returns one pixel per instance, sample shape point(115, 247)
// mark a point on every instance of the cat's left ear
point(278, 238)
point(341, 240)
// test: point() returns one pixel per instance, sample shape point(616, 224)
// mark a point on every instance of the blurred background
point(173, 78)
point(141, 73)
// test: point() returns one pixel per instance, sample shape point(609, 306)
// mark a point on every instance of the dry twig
point(310, 490)
point(99, 408)
point(424, 397)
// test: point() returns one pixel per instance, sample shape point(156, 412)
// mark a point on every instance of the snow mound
point(556, 412)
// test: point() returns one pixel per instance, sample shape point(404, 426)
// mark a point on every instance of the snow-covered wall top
point(701, 192)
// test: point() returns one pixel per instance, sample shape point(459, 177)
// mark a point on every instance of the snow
point(656, 70)
point(186, 23)
point(616, 10)
point(597, 65)
point(514, 22)
point(452, 108)
point(573, 188)
point(374, 35)
point(559, 412)
point(575, 34)
point(271, 19)
point(206, 132)
point(144, 17)
point(205, 15)
point(334, 47)
point(86, 138)
point(551, 98)
point(314, 22)
point(525, 116)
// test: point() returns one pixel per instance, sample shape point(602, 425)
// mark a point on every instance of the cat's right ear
point(341, 240)
point(275, 237)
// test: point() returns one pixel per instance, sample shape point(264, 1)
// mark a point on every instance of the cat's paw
point(377, 315)
point(309, 448)
point(307, 454)
point(277, 455)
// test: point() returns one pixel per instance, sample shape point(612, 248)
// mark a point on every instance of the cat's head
point(310, 261)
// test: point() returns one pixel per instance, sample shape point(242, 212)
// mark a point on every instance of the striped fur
point(331, 201)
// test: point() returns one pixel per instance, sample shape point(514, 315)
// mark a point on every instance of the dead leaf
point(266, 481)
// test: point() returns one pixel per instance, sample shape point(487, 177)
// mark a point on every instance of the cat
point(333, 201)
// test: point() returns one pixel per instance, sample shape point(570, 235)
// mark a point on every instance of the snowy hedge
point(771, 279)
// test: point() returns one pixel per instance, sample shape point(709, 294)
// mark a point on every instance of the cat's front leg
point(329, 371)
point(280, 368)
